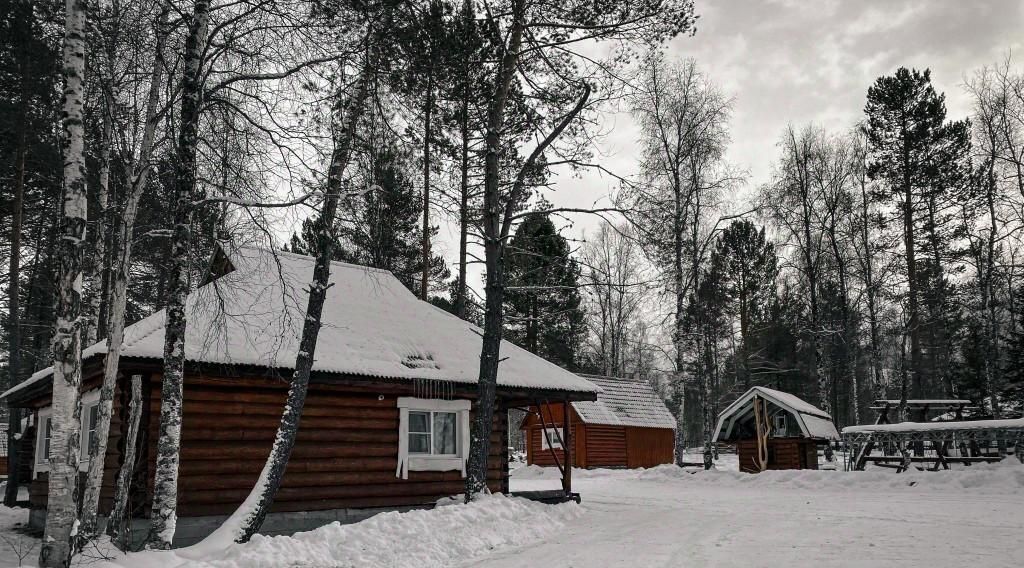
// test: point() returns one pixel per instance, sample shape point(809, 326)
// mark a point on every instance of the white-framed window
point(550, 438)
point(780, 424)
point(89, 420)
point(43, 435)
point(433, 435)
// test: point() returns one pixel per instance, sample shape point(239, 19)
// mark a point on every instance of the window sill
point(434, 463)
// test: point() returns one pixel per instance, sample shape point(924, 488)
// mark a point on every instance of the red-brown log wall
point(345, 454)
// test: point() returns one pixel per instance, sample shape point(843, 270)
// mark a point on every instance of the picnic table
point(972, 440)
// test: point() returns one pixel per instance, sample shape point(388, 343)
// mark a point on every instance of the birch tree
point(350, 104)
point(165, 483)
point(139, 169)
point(683, 119)
point(534, 41)
point(61, 511)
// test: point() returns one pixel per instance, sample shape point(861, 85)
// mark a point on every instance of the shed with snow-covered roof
point(774, 430)
point(386, 420)
point(627, 426)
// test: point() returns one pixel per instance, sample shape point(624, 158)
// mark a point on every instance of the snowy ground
point(668, 517)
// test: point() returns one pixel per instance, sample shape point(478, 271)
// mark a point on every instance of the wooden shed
point(627, 426)
point(386, 422)
point(774, 430)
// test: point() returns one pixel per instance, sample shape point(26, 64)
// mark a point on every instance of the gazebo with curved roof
point(773, 429)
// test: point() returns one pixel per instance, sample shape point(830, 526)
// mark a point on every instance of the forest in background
point(880, 261)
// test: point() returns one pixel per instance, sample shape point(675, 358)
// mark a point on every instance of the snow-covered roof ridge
point(813, 421)
point(372, 326)
point(625, 402)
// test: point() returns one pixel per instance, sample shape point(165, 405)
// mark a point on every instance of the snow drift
point(439, 537)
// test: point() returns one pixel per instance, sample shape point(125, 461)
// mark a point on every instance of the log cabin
point(386, 421)
point(774, 430)
point(628, 426)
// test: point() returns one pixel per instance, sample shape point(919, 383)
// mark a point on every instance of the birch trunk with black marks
point(165, 483)
point(95, 289)
point(62, 502)
point(119, 514)
point(476, 470)
point(249, 517)
point(139, 175)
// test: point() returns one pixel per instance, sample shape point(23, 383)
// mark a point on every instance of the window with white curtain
point(433, 435)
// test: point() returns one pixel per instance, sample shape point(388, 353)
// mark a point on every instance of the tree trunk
point(428, 108)
point(460, 291)
point(246, 521)
point(913, 318)
point(14, 313)
point(877, 383)
point(119, 287)
point(993, 380)
point(165, 483)
point(494, 252)
point(95, 288)
point(120, 516)
point(65, 429)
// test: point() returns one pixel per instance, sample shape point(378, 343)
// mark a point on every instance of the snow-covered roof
point(813, 422)
point(372, 326)
point(926, 401)
point(624, 402)
point(907, 427)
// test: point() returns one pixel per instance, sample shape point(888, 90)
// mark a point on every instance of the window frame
point(42, 457)
point(430, 433)
point(552, 441)
point(408, 461)
point(89, 402)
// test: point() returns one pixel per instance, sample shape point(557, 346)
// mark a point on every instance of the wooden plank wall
point(38, 488)
point(784, 453)
point(536, 455)
point(345, 455)
point(606, 446)
point(648, 447)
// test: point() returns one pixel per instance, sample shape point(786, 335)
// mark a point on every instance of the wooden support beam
point(544, 433)
point(567, 447)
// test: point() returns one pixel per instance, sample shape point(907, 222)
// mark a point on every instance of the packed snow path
point(662, 517)
point(670, 518)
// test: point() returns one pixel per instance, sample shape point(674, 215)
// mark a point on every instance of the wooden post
point(567, 447)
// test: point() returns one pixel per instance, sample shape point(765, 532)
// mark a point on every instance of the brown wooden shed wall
point(597, 445)
point(783, 453)
point(648, 447)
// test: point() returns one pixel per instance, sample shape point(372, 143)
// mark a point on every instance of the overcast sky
point(810, 61)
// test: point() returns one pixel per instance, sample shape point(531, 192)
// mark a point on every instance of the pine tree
point(746, 268)
point(542, 302)
point(381, 226)
point(919, 159)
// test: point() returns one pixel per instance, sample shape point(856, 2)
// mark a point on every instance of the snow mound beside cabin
point(438, 537)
